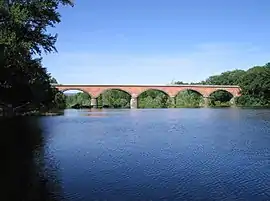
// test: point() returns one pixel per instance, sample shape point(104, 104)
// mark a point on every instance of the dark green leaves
point(23, 33)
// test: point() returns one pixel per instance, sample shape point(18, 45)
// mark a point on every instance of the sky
point(158, 41)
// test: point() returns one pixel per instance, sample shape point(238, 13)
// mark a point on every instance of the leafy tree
point(189, 98)
point(220, 98)
point(114, 98)
point(23, 31)
point(25, 26)
point(53, 80)
point(78, 100)
point(255, 85)
point(109, 99)
point(180, 83)
point(227, 78)
point(154, 99)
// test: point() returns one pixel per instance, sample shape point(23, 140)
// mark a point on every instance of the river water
point(159, 154)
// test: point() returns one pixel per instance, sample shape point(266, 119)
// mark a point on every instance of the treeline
point(25, 84)
point(255, 85)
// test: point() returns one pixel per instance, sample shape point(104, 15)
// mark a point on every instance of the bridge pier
point(232, 102)
point(94, 102)
point(173, 101)
point(134, 102)
point(206, 101)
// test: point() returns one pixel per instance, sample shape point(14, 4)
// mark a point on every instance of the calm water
point(164, 154)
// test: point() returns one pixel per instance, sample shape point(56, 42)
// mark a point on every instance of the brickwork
point(135, 90)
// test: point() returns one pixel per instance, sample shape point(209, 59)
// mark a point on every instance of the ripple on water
point(185, 154)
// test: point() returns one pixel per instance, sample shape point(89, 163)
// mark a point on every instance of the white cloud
point(108, 68)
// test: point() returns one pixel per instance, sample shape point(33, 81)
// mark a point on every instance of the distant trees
point(114, 99)
point(255, 85)
point(189, 98)
point(154, 99)
point(78, 100)
point(227, 78)
point(180, 82)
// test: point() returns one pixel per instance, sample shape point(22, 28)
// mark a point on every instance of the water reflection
point(94, 112)
point(170, 154)
point(25, 174)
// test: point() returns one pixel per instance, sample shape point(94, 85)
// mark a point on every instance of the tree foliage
point(220, 98)
point(114, 99)
point(154, 99)
point(189, 98)
point(255, 85)
point(227, 78)
point(78, 100)
point(23, 30)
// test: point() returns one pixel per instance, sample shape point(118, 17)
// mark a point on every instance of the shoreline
point(60, 112)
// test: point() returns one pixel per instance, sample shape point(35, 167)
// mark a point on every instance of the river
point(151, 154)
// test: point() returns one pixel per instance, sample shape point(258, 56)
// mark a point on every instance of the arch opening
point(77, 99)
point(154, 98)
point(189, 99)
point(220, 98)
point(114, 98)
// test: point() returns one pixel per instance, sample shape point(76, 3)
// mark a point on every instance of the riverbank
point(31, 113)
point(61, 112)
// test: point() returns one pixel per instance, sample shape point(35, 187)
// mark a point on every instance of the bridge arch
point(221, 90)
point(77, 98)
point(114, 89)
point(221, 98)
point(118, 98)
point(152, 89)
point(189, 98)
point(190, 89)
point(153, 98)
point(75, 89)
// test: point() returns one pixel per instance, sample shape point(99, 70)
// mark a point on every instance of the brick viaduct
point(135, 90)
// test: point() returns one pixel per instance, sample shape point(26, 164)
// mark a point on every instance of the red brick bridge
point(135, 90)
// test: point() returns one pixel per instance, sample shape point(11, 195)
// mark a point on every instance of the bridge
point(135, 90)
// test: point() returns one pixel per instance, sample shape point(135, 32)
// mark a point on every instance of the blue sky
point(157, 41)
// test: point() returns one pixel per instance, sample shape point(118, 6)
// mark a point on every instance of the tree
point(255, 85)
point(154, 99)
point(189, 98)
point(26, 25)
point(23, 79)
point(227, 78)
point(53, 80)
point(78, 100)
point(180, 83)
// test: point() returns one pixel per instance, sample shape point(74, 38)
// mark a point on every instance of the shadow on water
point(24, 174)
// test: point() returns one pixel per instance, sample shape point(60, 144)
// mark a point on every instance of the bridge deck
point(145, 85)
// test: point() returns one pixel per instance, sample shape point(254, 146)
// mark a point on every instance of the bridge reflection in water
point(92, 112)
